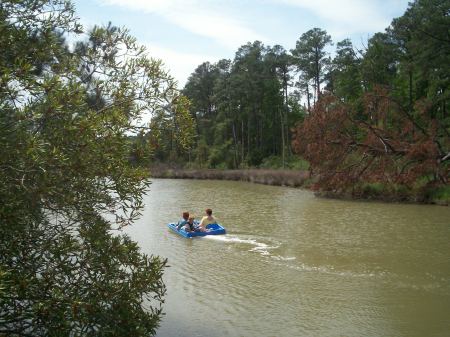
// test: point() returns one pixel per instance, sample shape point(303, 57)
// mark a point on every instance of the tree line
point(379, 114)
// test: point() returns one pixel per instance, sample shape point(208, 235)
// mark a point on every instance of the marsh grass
point(302, 178)
point(292, 178)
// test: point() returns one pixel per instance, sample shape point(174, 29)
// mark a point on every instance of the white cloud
point(195, 17)
point(180, 65)
point(349, 16)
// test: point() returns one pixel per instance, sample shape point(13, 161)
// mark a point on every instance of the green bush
point(372, 190)
point(297, 163)
point(293, 162)
point(67, 185)
point(440, 195)
point(272, 162)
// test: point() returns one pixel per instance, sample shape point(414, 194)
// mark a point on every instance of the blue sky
point(185, 33)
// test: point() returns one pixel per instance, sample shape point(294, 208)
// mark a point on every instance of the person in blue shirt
point(183, 221)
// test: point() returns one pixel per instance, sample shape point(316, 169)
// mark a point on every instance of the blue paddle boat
point(212, 229)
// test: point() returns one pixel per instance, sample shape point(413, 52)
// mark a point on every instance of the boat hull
point(213, 229)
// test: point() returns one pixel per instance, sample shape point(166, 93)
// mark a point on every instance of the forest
point(363, 120)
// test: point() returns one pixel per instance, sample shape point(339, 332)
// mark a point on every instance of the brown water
point(296, 265)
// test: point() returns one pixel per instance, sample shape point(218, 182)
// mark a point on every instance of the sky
point(186, 33)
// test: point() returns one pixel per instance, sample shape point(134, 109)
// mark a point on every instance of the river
point(292, 264)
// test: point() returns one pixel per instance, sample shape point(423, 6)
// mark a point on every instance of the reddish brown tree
point(384, 143)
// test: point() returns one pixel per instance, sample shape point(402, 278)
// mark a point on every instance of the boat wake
point(255, 245)
point(266, 249)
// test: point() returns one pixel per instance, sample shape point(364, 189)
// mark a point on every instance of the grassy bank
point(301, 178)
point(260, 176)
point(439, 195)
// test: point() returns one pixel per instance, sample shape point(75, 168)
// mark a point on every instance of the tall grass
point(261, 176)
point(302, 178)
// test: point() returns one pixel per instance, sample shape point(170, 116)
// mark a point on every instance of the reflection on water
point(295, 265)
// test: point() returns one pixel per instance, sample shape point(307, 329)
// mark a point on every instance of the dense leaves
point(66, 183)
point(242, 108)
point(386, 118)
point(379, 115)
point(348, 152)
point(312, 60)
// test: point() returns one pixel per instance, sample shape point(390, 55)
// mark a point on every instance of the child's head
point(208, 211)
point(185, 215)
point(191, 218)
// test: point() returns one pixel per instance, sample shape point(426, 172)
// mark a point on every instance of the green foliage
point(141, 150)
point(373, 116)
point(312, 60)
point(379, 65)
point(345, 75)
point(373, 190)
point(184, 124)
point(298, 164)
point(293, 162)
point(66, 185)
point(202, 153)
point(172, 131)
point(439, 195)
point(384, 128)
point(242, 108)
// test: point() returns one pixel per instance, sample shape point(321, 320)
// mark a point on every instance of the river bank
point(289, 178)
point(303, 179)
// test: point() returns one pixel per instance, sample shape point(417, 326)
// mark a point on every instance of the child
point(190, 226)
point(183, 221)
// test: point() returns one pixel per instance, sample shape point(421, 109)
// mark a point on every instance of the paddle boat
point(212, 229)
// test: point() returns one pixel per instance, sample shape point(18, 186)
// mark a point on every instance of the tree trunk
point(235, 159)
point(283, 146)
point(286, 110)
point(317, 77)
point(242, 138)
point(411, 97)
point(410, 91)
point(248, 136)
point(308, 98)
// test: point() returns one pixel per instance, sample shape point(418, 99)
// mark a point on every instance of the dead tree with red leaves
point(386, 144)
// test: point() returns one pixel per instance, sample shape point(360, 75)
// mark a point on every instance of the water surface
point(296, 265)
